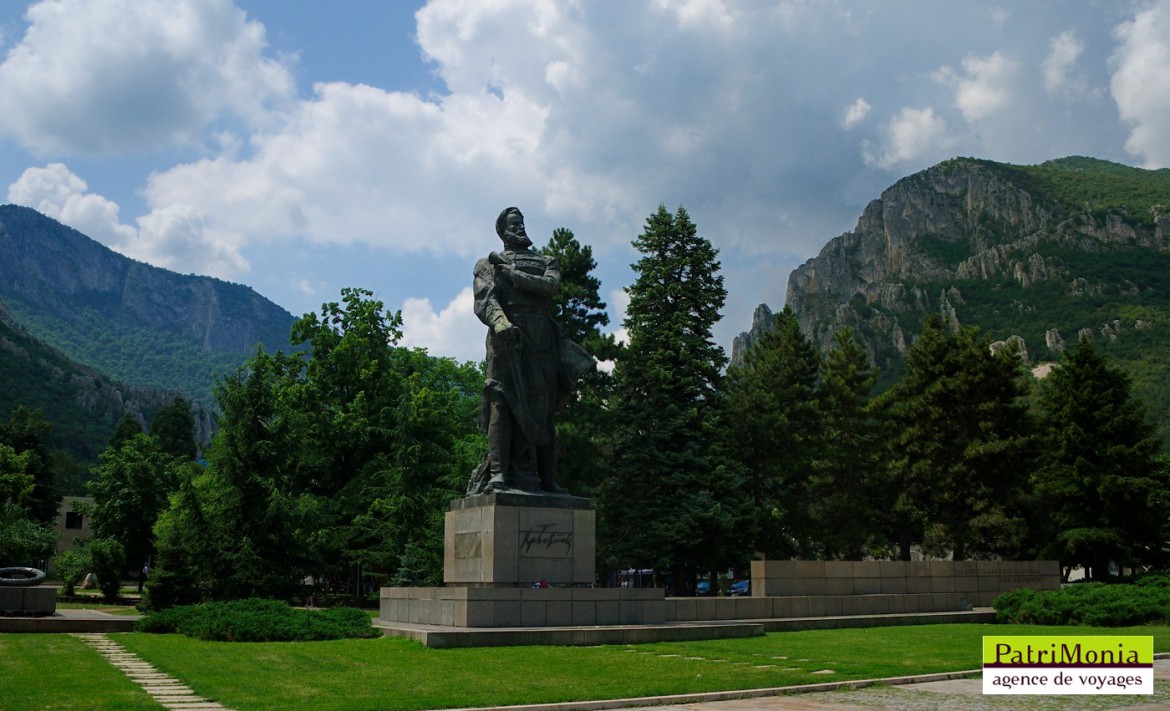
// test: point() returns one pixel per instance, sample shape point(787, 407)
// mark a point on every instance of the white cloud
point(454, 331)
point(1141, 83)
point(985, 89)
point(177, 237)
point(856, 113)
point(55, 191)
point(586, 115)
point(1066, 48)
point(173, 237)
point(100, 76)
point(914, 136)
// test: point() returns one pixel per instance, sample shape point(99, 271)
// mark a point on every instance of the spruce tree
point(848, 496)
point(962, 445)
point(773, 426)
point(584, 444)
point(1099, 476)
point(671, 501)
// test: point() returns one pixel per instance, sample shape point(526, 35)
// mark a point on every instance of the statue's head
point(510, 228)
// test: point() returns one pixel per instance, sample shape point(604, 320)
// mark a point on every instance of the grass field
point(395, 674)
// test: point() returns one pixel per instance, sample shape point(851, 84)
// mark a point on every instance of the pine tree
point(773, 427)
point(848, 496)
point(962, 447)
point(671, 501)
point(1100, 475)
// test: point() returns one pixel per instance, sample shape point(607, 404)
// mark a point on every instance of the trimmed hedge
point(1144, 601)
point(256, 620)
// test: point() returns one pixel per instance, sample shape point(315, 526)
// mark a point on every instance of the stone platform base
point(522, 607)
point(70, 621)
point(28, 602)
point(442, 637)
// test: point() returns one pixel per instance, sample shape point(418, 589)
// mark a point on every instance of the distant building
point(71, 524)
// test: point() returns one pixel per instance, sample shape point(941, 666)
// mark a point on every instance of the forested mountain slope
point(82, 405)
point(131, 321)
point(1044, 253)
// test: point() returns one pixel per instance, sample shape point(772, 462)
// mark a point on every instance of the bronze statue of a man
point(531, 367)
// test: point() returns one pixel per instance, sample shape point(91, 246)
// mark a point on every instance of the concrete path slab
point(167, 691)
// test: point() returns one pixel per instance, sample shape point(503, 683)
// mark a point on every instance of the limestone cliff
point(1040, 253)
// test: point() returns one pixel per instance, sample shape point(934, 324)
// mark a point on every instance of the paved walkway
point(166, 690)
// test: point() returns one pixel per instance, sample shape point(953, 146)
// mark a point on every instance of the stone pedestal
point(515, 540)
point(28, 601)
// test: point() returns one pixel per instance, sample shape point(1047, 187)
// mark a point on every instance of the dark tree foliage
point(254, 517)
point(577, 306)
point(584, 444)
point(772, 427)
point(335, 462)
point(174, 428)
point(130, 489)
point(128, 426)
point(849, 491)
point(671, 500)
point(25, 432)
point(1100, 477)
point(961, 452)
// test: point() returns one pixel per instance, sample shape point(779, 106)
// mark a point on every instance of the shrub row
point(257, 620)
point(1144, 601)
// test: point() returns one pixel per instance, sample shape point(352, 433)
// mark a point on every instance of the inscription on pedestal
point(545, 541)
point(502, 541)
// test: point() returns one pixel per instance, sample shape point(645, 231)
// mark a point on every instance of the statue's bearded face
point(514, 235)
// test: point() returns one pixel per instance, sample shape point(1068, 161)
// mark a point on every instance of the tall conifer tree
point(1100, 476)
point(584, 442)
point(849, 498)
point(773, 420)
point(671, 500)
point(962, 447)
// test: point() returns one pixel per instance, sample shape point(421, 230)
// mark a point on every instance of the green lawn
point(395, 674)
point(59, 671)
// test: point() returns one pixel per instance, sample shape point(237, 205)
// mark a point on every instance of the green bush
point(256, 620)
point(71, 565)
point(1145, 601)
point(108, 559)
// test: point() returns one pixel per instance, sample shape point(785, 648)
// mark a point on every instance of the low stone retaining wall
point(945, 583)
point(522, 607)
point(680, 609)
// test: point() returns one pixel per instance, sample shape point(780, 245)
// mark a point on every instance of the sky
point(304, 147)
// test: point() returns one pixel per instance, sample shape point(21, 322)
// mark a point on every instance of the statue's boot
point(549, 486)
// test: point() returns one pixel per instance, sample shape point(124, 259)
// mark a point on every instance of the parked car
point(741, 587)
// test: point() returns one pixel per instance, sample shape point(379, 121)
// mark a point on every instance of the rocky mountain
point(1042, 255)
point(130, 321)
